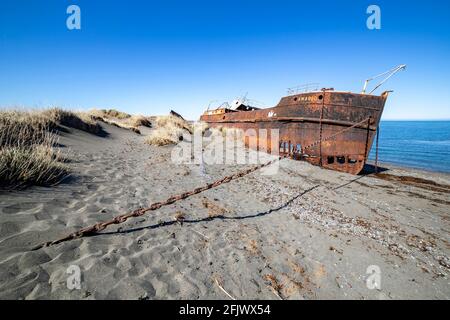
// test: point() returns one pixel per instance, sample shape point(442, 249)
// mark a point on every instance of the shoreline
point(392, 165)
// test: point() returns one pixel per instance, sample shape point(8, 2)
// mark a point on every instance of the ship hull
point(331, 129)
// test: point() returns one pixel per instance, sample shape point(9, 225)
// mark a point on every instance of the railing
point(308, 87)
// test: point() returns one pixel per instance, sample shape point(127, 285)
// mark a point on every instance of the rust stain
point(312, 126)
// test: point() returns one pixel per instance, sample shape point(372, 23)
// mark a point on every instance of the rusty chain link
point(141, 211)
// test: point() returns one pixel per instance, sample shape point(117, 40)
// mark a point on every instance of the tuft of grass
point(27, 153)
point(170, 130)
point(172, 121)
point(121, 119)
point(138, 120)
point(164, 136)
point(18, 128)
point(77, 120)
point(119, 124)
point(113, 113)
point(23, 166)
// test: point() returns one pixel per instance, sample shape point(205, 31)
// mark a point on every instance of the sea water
point(416, 144)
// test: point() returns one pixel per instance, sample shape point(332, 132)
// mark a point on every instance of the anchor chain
point(141, 211)
point(155, 206)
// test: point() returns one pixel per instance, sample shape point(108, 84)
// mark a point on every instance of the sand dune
point(304, 233)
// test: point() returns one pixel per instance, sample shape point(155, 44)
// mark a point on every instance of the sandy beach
point(303, 233)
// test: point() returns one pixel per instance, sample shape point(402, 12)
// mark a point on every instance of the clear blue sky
point(150, 56)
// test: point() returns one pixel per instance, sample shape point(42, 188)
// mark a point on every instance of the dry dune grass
point(121, 124)
point(27, 153)
point(24, 127)
point(30, 126)
point(77, 120)
point(121, 119)
point(170, 130)
point(31, 165)
point(165, 135)
point(139, 120)
point(28, 138)
point(172, 121)
point(115, 114)
point(27, 145)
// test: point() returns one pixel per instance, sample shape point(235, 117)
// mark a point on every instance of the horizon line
point(433, 119)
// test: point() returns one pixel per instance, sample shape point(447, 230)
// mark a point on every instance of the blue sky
point(152, 56)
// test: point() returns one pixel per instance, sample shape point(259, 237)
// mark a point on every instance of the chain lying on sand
point(141, 211)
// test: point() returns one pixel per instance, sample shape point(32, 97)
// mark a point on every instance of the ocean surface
point(416, 144)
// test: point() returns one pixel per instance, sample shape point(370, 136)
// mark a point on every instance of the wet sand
point(303, 233)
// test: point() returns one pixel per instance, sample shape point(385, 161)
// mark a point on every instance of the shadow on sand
point(207, 219)
point(368, 170)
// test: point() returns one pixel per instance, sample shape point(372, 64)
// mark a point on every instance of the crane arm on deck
point(390, 73)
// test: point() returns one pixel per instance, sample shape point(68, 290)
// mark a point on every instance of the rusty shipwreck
point(329, 128)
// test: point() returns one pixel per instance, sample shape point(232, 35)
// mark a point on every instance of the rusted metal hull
point(331, 129)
